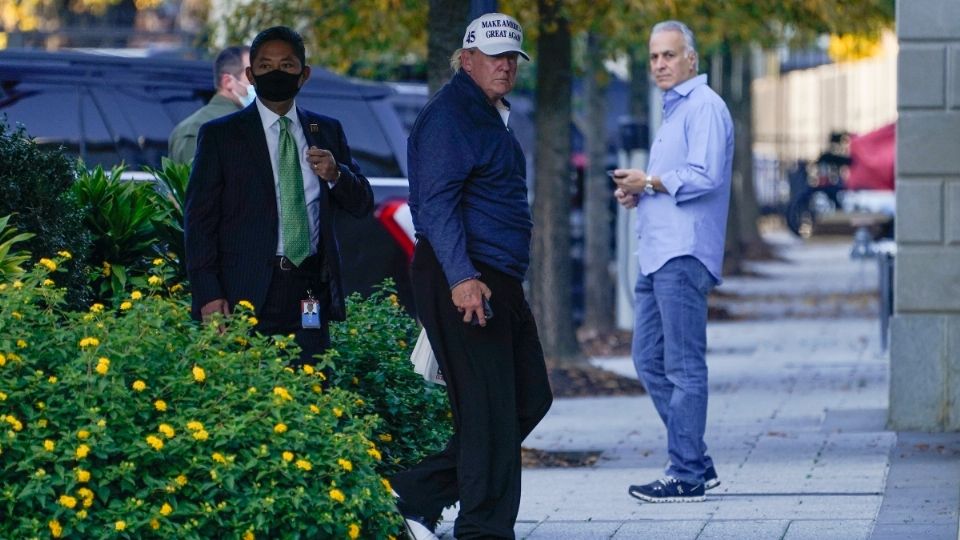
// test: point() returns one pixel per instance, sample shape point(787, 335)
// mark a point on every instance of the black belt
point(283, 263)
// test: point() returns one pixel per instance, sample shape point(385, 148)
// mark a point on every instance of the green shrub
point(121, 217)
point(138, 423)
point(10, 259)
point(173, 178)
point(35, 190)
point(370, 353)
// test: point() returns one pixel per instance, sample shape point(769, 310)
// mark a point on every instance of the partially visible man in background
point(233, 93)
point(682, 200)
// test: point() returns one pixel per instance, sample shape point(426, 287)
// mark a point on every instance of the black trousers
point(280, 313)
point(498, 389)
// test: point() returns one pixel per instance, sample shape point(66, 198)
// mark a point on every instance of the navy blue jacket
point(468, 190)
point(230, 214)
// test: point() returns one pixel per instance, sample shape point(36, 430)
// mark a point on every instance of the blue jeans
point(669, 353)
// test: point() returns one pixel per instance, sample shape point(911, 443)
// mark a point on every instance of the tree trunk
point(598, 278)
point(446, 23)
point(550, 269)
point(743, 236)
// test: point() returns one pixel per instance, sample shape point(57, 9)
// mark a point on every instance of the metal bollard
point(885, 261)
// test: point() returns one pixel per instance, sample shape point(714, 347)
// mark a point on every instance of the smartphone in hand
point(487, 313)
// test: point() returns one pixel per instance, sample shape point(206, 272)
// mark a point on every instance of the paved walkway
point(798, 398)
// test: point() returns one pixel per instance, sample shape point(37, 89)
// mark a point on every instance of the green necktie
point(293, 205)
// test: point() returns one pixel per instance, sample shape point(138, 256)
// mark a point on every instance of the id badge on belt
point(310, 312)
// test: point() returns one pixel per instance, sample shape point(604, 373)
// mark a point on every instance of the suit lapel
point(312, 130)
point(254, 143)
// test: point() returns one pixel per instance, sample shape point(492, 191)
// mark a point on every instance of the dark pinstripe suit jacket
point(230, 216)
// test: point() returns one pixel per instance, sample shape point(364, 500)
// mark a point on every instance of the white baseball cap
point(493, 34)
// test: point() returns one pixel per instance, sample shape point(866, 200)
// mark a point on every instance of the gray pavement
point(796, 427)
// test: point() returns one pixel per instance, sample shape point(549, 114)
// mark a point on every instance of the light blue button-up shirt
point(693, 157)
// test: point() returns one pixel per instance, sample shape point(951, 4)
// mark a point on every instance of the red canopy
point(872, 156)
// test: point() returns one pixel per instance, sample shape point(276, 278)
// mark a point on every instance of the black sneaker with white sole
point(710, 478)
point(668, 490)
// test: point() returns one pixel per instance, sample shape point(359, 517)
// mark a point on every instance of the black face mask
point(277, 85)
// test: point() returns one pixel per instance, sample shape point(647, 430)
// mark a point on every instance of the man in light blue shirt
point(682, 202)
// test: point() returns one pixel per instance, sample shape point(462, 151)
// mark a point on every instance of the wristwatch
point(648, 187)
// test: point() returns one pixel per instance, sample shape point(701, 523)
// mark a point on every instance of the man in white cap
point(468, 198)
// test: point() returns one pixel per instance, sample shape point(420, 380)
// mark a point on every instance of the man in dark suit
point(266, 181)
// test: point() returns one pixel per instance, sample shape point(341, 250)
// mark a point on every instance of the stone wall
point(925, 332)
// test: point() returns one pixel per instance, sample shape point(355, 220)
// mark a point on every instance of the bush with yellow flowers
point(138, 423)
point(370, 354)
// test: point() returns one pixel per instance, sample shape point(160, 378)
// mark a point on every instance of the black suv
point(110, 110)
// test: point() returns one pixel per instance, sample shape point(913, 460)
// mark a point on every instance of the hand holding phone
point(487, 313)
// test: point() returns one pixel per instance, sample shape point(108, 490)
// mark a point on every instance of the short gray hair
point(689, 40)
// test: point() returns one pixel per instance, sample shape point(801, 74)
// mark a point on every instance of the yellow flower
point(166, 509)
point(353, 331)
point(101, 423)
point(213, 475)
point(89, 342)
point(154, 524)
point(155, 442)
point(17, 284)
point(167, 430)
point(17, 315)
point(355, 381)
point(52, 380)
point(139, 385)
point(82, 451)
point(181, 480)
point(48, 264)
point(248, 535)
point(120, 525)
point(386, 484)
point(345, 463)
point(68, 501)
point(96, 308)
point(40, 473)
point(48, 445)
point(252, 320)
point(252, 390)
point(199, 374)
point(136, 295)
point(83, 434)
point(375, 454)
point(193, 425)
point(402, 344)
point(82, 475)
point(155, 280)
point(218, 457)
point(14, 423)
point(314, 409)
point(338, 412)
point(48, 282)
point(354, 531)
point(337, 495)
point(201, 435)
point(304, 464)
point(65, 254)
point(287, 456)
point(157, 262)
point(385, 437)
point(22, 344)
point(55, 529)
point(308, 369)
point(282, 393)
point(125, 305)
point(160, 405)
point(358, 402)
point(87, 496)
point(176, 288)
point(280, 428)
point(3, 360)
point(103, 365)
point(245, 304)
point(317, 388)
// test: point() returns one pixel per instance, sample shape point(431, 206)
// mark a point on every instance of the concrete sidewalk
point(795, 427)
